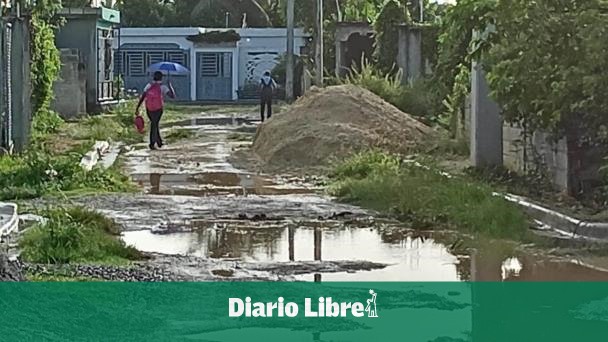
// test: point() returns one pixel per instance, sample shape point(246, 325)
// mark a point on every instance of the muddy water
point(221, 214)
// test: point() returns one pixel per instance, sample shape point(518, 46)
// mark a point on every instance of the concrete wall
point(536, 153)
point(81, 34)
point(70, 89)
point(486, 123)
point(409, 57)
point(341, 36)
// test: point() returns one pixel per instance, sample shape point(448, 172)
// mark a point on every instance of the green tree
point(387, 34)
point(146, 13)
point(546, 64)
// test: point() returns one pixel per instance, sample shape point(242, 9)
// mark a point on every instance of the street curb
point(554, 220)
point(559, 222)
point(9, 220)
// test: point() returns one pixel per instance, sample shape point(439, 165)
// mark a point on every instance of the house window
point(155, 57)
point(137, 62)
point(210, 65)
point(177, 57)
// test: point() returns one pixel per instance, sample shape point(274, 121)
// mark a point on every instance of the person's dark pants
point(266, 105)
point(155, 138)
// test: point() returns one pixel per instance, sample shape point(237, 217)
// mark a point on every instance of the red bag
point(140, 124)
point(154, 97)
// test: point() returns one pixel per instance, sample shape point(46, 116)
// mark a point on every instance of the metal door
point(214, 76)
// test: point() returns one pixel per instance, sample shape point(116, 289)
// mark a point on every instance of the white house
point(221, 61)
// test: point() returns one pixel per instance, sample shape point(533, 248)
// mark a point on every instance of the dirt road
point(199, 217)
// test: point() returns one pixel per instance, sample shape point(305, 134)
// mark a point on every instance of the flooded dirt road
point(202, 218)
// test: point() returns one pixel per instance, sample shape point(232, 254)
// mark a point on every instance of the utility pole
point(319, 43)
point(289, 79)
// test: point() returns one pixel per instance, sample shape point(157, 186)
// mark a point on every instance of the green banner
point(238, 311)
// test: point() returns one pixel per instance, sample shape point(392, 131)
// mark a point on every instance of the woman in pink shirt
point(153, 95)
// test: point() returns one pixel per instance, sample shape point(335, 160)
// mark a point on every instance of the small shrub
point(46, 122)
point(75, 235)
point(363, 164)
point(415, 99)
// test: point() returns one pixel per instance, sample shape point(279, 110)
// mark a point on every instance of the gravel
point(132, 273)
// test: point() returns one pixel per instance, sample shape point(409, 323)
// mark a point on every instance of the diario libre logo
point(323, 307)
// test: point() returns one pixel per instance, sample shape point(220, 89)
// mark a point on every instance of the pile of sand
point(330, 124)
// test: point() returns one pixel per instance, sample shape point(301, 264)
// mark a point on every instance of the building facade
point(219, 70)
point(89, 32)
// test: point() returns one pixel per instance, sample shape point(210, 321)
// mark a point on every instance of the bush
point(46, 122)
point(416, 99)
point(425, 198)
point(75, 235)
point(363, 164)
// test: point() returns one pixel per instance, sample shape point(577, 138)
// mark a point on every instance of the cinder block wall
point(70, 88)
point(526, 154)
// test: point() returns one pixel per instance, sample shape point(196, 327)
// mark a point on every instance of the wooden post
point(291, 238)
point(289, 79)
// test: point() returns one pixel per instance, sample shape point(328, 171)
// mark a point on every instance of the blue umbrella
point(169, 68)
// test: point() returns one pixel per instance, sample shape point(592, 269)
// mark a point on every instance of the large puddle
point(410, 259)
point(215, 183)
point(193, 181)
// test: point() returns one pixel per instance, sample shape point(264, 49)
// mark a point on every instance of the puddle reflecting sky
point(410, 259)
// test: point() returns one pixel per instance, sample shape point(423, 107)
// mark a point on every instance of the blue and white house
point(218, 68)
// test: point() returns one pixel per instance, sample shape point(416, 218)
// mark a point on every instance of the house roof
point(189, 31)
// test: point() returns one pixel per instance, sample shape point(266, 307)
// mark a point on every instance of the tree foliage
point(548, 61)
point(45, 64)
point(387, 34)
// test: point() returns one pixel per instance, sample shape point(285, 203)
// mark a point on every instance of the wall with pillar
point(71, 87)
point(409, 57)
point(486, 123)
point(342, 34)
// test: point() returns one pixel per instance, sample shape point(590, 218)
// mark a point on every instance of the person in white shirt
point(267, 87)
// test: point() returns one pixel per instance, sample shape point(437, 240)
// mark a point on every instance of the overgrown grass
point(36, 173)
point(51, 164)
point(415, 99)
point(425, 198)
point(75, 235)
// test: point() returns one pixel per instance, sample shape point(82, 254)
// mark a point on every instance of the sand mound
point(330, 124)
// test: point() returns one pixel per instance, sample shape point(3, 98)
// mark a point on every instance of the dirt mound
point(329, 124)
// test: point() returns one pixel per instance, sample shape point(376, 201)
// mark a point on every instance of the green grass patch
point(51, 164)
point(75, 235)
point(36, 173)
point(425, 198)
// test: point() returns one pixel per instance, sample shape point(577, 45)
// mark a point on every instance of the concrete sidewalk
point(9, 219)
